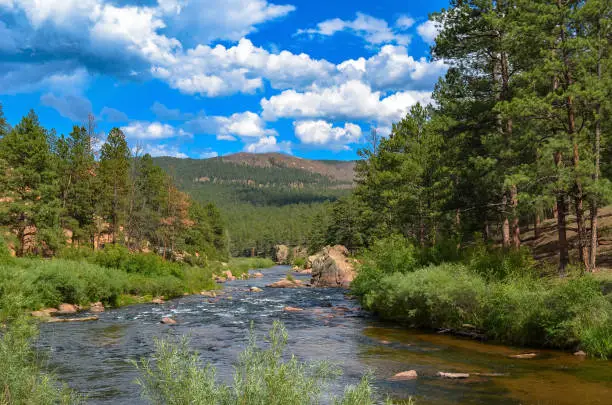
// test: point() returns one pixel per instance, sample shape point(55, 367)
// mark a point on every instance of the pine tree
point(114, 178)
point(32, 209)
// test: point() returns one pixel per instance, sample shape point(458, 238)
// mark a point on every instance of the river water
point(95, 357)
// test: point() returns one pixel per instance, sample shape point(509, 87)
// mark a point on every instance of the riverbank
point(489, 294)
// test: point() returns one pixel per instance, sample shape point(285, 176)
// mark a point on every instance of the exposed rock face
point(333, 268)
point(281, 254)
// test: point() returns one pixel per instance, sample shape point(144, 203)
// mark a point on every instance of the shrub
point(21, 376)
point(262, 376)
point(500, 264)
point(299, 262)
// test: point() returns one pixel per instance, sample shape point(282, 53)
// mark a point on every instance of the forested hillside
point(56, 192)
point(265, 199)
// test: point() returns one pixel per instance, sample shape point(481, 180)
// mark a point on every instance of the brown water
point(94, 357)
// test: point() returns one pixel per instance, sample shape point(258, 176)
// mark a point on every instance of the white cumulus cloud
point(429, 30)
point(268, 144)
point(143, 130)
point(321, 133)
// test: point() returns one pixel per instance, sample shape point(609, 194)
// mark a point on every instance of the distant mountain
point(265, 198)
point(335, 169)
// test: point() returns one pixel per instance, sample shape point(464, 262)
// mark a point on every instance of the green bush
point(499, 264)
point(299, 262)
point(22, 379)
point(261, 377)
point(242, 265)
point(525, 310)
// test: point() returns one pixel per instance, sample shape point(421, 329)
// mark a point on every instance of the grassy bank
point(241, 265)
point(262, 376)
point(113, 276)
point(502, 295)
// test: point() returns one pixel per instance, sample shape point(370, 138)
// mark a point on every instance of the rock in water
point(255, 289)
point(65, 309)
point(453, 376)
point(405, 375)
point(284, 283)
point(96, 307)
point(292, 309)
point(168, 321)
point(523, 356)
point(333, 268)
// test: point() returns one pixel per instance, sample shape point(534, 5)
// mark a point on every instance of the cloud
point(404, 22)
point(143, 130)
point(353, 100)
point(244, 125)
point(323, 134)
point(164, 113)
point(53, 76)
point(208, 155)
point(268, 144)
point(75, 108)
point(208, 20)
point(217, 71)
point(373, 30)
point(109, 114)
point(392, 68)
point(160, 150)
point(429, 30)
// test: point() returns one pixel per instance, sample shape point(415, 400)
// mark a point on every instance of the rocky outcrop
point(281, 254)
point(333, 268)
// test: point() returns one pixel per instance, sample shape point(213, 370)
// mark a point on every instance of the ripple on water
point(95, 357)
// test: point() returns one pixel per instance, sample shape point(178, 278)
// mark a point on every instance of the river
point(95, 357)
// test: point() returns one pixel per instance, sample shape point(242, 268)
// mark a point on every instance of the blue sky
point(201, 78)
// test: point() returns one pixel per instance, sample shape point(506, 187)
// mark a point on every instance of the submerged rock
point(523, 356)
point(333, 268)
point(83, 319)
point(293, 309)
point(405, 376)
point(453, 376)
point(580, 353)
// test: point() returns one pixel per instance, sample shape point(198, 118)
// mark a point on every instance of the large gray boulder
point(333, 268)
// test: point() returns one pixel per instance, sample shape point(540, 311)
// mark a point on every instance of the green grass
point(241, 265)
point(263, 376)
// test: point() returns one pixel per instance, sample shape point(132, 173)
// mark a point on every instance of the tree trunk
point(516, 230)
point(536, 226)
point(505, 224)
point(562, 230)
point(594, 206)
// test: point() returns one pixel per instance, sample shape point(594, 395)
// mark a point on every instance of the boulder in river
point(405, 376)
point(255, 289)
point(96, 307)
point(65, 309)
point(44, 313)
point(158, 300)
point(258, 275)
point(333, 268)
point(453, 376)
point(285, 283)
point(210, 294)
point(229, 276)
point(293, 309)
point(168, 321)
